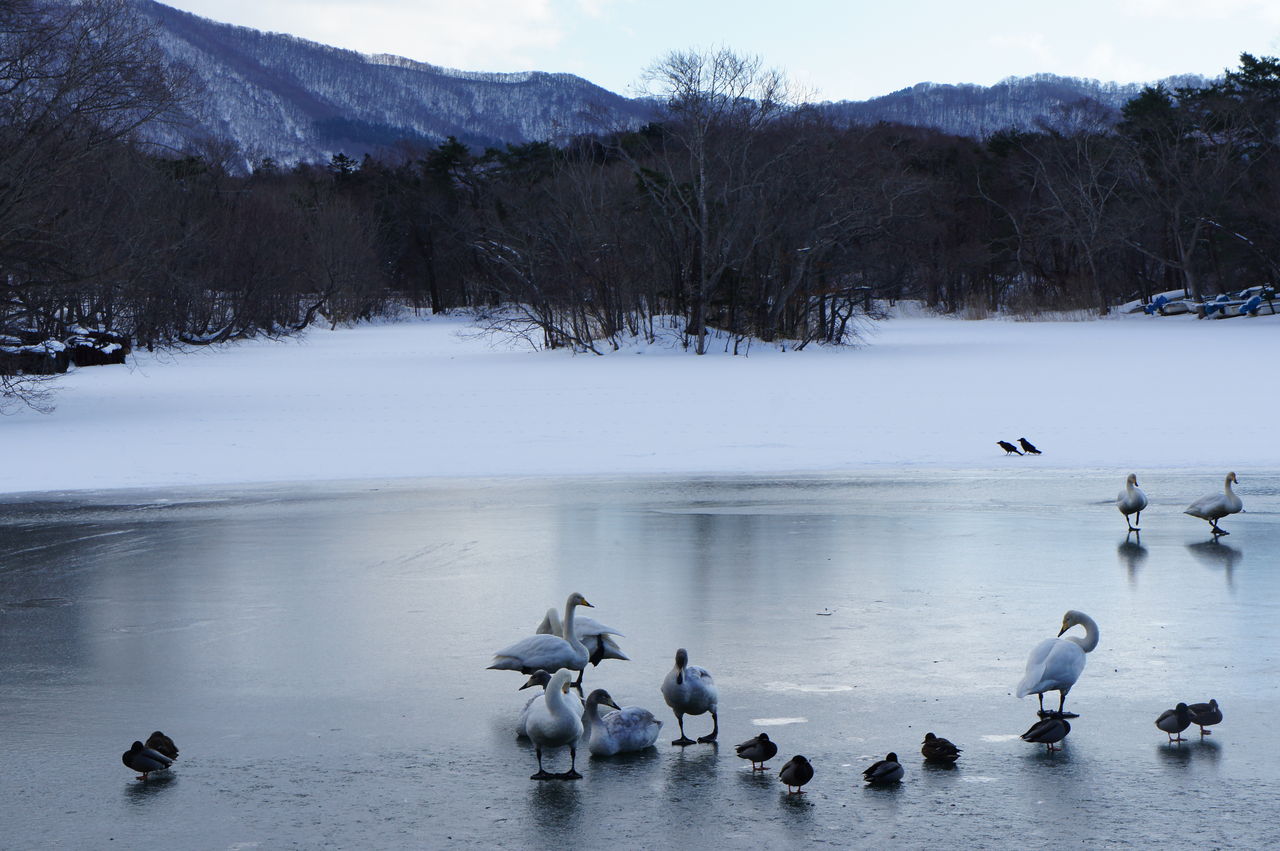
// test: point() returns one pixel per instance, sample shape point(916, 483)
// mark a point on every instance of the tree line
point(741, 215)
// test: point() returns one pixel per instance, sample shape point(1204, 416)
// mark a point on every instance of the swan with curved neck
point(1215, 506)
point(548, 652)
point(553, 723)
point(595, 636)
point(1131, 501)
point(540, 679)
point(1056, 663)
point(626, 729)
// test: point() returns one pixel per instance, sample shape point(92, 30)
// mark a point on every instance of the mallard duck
point(690, 690)
point(1048, 731)
point(1205, 715)
point(937, 749)
point(541, 678)
point(887, 770)
point(1174, 721)
point(626, 729)
point(759, 750)
point(144, 760)
point(1215, 506)
point(553, 723)
point(1056, 663)
point(161, 743)
point(548, 652)
point(595, 636)
point(797, 772)
point(1131, 501)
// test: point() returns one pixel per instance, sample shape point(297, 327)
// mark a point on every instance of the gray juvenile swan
point(690, 690)
point(626, 729)
point(554, 723)
point(1056, 663)
point(1215, 506)
point(548, 652)
point(1131, 501)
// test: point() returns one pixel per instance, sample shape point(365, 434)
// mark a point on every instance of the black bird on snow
point(1009, 448)
point(1028, 447)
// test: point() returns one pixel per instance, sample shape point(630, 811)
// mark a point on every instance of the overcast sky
point(836, 48)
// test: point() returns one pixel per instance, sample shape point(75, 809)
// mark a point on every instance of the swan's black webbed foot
point(571, 774)
point(706, 740)
point(542, 775)
point(683, 741)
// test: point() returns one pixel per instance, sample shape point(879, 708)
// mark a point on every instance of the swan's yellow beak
point(1065, 626)
point(583, 602)
point(567, 685)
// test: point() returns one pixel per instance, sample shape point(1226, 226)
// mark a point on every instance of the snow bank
point(427, 398)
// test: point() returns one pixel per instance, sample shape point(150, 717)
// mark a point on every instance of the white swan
point(627, 728)
point(1055, 663)
point(690, 690)
point(548, 652)
point(1215, 506)
point(595, 636)
point(553, 723)
point(541, 678)
point(1131, 501)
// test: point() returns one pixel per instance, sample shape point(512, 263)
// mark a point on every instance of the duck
point(1048, 731)
point(626, 729)
point(595, 636)
point(884, 772)
point(162, 744)
point(690, 690)
point(797, 772)
point(541, 678)
point(1132, 500)
point(548, 652)
point(554, 723)
point(144, 760)
point(1056, 663)
point(759, 749)
point(937, 749)
point(1215, 506)
point(1174, 721)
point(1205, 715)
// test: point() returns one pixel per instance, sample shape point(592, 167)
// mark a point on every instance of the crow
point(1009, 448)
point(1028, 447)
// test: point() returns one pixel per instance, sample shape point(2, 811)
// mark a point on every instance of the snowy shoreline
point(430, 399)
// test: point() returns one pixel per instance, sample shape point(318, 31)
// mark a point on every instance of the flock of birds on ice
point(558, 717)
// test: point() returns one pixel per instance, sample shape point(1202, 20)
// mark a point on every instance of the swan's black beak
point(1065, 627)
point(610, 702)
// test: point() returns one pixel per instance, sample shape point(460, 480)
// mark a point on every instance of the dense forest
point(740, 212)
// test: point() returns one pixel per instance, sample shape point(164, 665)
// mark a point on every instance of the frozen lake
point(319, 652)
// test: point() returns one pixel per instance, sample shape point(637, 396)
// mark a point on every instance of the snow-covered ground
point(427, 398)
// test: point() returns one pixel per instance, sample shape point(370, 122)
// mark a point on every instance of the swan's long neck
point(1091, 634)
point(570, 633)
point(554, 697)
point(1130, 486)
point(553, 620)
point(1226, 486)
point(592, 716)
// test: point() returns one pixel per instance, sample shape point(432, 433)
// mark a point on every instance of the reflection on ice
point(1215, 554)
point(1132, 555)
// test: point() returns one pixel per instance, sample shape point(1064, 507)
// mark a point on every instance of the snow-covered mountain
point(979, 111)
point(279, 96)
point(274, 95)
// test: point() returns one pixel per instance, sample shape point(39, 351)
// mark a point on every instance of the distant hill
point(979, 111)
point(279, 96)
